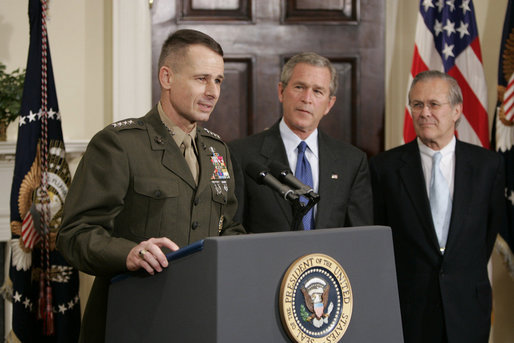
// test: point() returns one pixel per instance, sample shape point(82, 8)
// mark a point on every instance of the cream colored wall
point(81, 46)
point(79, 33)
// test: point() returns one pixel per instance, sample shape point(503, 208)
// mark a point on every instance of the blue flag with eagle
point(44, 287)
point(503, 131)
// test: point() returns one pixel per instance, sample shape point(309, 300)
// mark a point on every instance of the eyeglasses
point(433, 106)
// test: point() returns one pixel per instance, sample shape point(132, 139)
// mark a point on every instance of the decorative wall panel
point(215, 11)
point(320, 12)
point(232, 116)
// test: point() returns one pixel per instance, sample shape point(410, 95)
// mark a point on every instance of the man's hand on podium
point(148, 255)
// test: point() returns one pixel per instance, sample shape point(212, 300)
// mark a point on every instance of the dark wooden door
point(258, 36)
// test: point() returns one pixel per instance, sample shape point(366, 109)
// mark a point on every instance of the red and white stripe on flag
point(29, 234)
point(508, 100)
point(447, 40)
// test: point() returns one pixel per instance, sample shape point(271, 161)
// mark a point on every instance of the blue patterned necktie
point(304, 173)
point(440, 201)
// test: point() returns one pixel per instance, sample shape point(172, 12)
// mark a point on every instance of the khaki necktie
point(190, 156)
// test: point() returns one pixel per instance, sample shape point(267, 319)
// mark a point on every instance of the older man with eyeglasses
point(443, 200)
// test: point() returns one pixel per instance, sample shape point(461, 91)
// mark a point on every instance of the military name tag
point(316, 300)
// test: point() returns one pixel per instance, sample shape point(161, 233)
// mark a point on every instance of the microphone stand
point(300, 208)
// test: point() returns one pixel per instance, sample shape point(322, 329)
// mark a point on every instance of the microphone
point(262, 176)
point(285, 175)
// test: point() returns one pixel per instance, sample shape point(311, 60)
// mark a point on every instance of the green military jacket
point(133, 184)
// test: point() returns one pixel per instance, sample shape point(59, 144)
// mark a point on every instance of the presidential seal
point(316, 300)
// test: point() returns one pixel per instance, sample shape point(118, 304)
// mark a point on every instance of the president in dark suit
point(339, 171)
point(444, 202)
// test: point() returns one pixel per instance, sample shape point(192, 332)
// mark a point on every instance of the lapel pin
point(334, 176)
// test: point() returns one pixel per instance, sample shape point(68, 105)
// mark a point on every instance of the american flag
point(44, 293)
point(503, 131)
point(447, 40)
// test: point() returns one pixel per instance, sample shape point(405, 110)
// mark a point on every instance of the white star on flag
point(32, 116)
point(451, 3)
point(465, 6)
point(463, 29)
point(440, 5)
point(449, 27)
point(448, 51)
point(438, 27)
point(427, 4)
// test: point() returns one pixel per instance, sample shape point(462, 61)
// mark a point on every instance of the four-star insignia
point(122, 123)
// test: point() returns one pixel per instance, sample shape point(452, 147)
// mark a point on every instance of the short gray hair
point(454, 93)
point(313, 59)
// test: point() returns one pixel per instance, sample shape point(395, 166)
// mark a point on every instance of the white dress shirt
point(291, 141)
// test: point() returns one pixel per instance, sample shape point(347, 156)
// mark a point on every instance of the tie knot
point(187, 141)
point(437, 158)
point(301, 147)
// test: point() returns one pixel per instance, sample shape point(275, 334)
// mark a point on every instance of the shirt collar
point(447, 150)
point(291, 140)
point(176, 132)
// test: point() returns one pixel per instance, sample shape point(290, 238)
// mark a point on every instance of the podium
point(228, 289)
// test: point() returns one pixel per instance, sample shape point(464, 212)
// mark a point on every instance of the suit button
point(194, 225)
point(157, 193)
point(196, 201)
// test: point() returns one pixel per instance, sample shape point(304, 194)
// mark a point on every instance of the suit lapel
point(462, 192)
point(327, 159)
point(172, 158)
point(206, 165)
point(411, 174)
point(272, 149)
